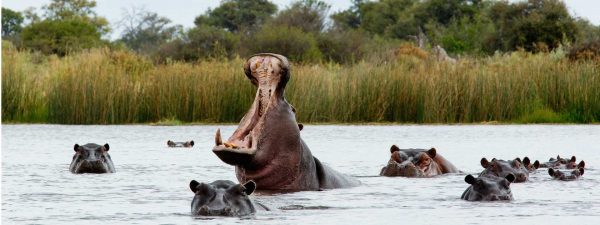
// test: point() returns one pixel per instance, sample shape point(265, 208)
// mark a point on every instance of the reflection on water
point(151, 183)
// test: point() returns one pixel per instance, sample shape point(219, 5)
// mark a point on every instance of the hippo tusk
point(218, 140)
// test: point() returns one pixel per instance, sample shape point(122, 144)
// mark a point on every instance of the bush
point(60, 36)
point(296, 45)
point(200, 43)
point(585, 51)
point(343, 46)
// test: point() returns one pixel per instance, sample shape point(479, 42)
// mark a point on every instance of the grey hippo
point(187, 144)
point(416, 163)
point(559, 175)
point(488, 188)
point(223, 198)
point(563, 163)
point(91, 158)
point(501, 168)
point(267, 147)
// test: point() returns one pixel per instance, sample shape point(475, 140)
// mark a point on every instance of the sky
point(184, 12)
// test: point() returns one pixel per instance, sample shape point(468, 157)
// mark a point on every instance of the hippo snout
point(521, 177)
point(206, 211)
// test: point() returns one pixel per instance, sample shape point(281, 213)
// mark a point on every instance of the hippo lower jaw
point(205, 211)
point(92, 167)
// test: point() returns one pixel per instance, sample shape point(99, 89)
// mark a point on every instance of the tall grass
point(107, 87)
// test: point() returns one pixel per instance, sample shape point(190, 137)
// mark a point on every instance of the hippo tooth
point(227, 145)
point(250, 141)
point(218, 140)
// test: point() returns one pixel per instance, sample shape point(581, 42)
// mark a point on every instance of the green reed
point(102, 86)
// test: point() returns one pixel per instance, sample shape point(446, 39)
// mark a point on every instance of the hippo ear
point(394, 148)
point(581, 170)
point(106, 147)
point(573, 159)
point(470, 179)
point(194, 185)
point(551, 172)
point(510, 177)
point(581, 164)
point(557, 157)
point(300, 126)
point(518, 160)
point(249, 186)
point(536, 164)
point(526, 161)
point(76, 147)
point(432, 153)
point(192, 143)
point(484, 163)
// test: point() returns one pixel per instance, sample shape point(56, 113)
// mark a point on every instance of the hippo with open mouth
point(178, 144)
point(91, 158)
point(266, 147)
point(559, 175)
point(223, 198)
point(488, 188)
point(416, 163)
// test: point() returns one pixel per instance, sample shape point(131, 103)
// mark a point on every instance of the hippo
point(416, 163)
point(531, 167)
point(563, 163)
point(488, 188)
point(501, 168)
point(267, 147)
point(223, 198)
point(559, 175)
point(91, 158)
point(187, 144)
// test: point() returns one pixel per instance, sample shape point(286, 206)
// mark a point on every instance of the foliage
point(308, 15)
point(76, 10)
point(144, 31)
point(201, 42)
point(589, 50)
point(288, 41)
point(60, 36)
point(236, 15)
point(11, 23)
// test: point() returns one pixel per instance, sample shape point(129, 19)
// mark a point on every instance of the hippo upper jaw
point(86, 166)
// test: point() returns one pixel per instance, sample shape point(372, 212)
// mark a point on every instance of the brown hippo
point(91, 158)
point(501, 168)
point(267, 147)
point(416, 163)
point(223, 198)
point(559, 175)
point(187, 144)
point(488, 188)
point(531, 167)
point(563, 163)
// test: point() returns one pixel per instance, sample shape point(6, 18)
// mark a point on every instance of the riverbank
point(102, 86)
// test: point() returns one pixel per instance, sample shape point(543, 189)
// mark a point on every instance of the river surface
point(151, 182)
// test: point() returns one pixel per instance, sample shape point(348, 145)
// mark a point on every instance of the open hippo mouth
point(269, 72)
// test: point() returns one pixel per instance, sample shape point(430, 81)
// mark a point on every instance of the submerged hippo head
point(222, 198)
point(187, 144)
point(501, 168)
point(563, 163)
point(531, 167)
point(559, 175)
point(488, 188)
point(411, 163)
point(266, 147)
point(91, 158)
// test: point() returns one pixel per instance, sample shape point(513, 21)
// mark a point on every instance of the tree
point(292, 42)
point(236, 15)
point(76, 9)
point(145, 31)
point(200, 43)
point(60, 36)
point(308, 15)
point(11, 23)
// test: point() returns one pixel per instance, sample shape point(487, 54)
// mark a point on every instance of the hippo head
point(572, 163)
point(222, 198)
point(187, 144)
point(559, 175)
point(91, 158)
point(531, 167)
point(501, 168)
point(488, 188)
point(411, 163)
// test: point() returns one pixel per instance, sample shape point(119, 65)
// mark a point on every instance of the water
point(151, 183)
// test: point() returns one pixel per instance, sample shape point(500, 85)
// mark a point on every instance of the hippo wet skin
point(559, 175)
point(179, 144)
point(416, 163)
point(501, 168)
point(91, 158)
point(223, 198)
point(266, 147)
point(488, 188)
